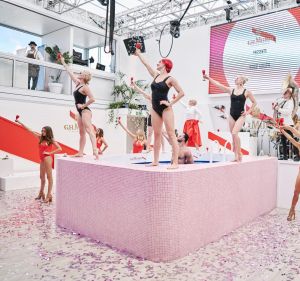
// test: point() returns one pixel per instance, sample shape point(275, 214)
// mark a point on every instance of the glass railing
point(31, 74)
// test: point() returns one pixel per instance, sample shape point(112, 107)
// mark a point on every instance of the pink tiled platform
point(158, 214)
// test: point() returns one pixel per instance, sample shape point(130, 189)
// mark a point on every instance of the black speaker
point(298, 2)
point(100, 66)
point(131, 42)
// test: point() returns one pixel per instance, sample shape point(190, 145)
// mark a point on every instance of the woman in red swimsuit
point(139, 139)
point(100, 141)
point(47, 148)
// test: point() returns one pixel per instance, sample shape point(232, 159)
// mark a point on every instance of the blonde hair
point(286, 82)
point(194, 102)
point(140, 133)
point(244, 78)
point(87, 76)
point(255, 112)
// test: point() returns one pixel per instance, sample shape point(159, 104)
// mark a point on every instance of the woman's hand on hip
point(165, 102)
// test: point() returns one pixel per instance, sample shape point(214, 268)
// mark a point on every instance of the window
point(16, 42)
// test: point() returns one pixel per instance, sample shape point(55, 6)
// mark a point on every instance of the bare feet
point(152, 164)
point(77, 155)
point(291, 215)
point(96, 154)
point(173, 167)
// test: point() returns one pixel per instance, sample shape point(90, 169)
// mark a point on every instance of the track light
point(103, 2)
point(228, 14)
point(175, 28)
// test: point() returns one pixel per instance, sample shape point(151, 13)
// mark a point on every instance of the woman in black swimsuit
point(238, 97)
point(84, 119)
point(162, 112)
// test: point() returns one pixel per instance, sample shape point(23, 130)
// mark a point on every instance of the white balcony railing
point(14, 72)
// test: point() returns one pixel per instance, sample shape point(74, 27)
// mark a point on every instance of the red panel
point(222, 142)
point(16, 140)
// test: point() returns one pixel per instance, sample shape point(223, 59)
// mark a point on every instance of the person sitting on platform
point(185, 155)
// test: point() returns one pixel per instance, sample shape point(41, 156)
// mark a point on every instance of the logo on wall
point(71, 127)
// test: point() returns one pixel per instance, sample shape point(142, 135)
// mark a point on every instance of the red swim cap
point(168, 64)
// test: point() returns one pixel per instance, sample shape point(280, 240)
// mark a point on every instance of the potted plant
point(54, 85)
point(125, 97)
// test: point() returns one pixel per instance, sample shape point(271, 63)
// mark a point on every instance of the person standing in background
point(33, 69)
point(284, 109)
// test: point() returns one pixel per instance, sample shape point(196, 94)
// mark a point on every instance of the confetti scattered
point(32, 247)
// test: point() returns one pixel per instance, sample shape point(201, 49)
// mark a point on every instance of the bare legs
point(46, 170)
point(88, 127)
point(149, 138)
point(85, 126)
point(168, 119)
point(291, 215)
point(235, 127)
point(157, 122)
point(43, 181)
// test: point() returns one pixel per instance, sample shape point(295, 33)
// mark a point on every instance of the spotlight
point(103, 2)
point(175, 28)
point(228, 14)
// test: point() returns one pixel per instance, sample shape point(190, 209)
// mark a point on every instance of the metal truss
point(148, 19)
point(63, 6)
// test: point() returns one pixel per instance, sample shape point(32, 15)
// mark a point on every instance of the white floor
point(33, 248)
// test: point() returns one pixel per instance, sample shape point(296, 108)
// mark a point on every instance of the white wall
point(63, 38)
point(190, 54)
point(37, 112)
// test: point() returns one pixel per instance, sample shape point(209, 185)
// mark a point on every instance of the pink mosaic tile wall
point(162, 216)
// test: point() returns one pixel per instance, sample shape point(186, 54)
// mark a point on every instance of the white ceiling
point(87, 39)
point(23, 19)
point(121, 6)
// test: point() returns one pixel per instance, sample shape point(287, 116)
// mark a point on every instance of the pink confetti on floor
point(32, 247)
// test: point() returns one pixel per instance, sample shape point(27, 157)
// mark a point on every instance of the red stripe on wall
point(213, 137)
point(16, 140)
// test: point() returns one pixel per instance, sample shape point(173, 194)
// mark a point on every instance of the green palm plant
point(125, 96)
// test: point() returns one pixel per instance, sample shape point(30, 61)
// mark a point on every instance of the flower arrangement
point(55, 55)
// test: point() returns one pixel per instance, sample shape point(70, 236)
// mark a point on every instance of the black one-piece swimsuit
point(79, 99)
point(237, 105)
point(159, 93)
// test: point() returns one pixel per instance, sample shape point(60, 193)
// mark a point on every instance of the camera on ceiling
point(103, 2)
point(175, 28)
